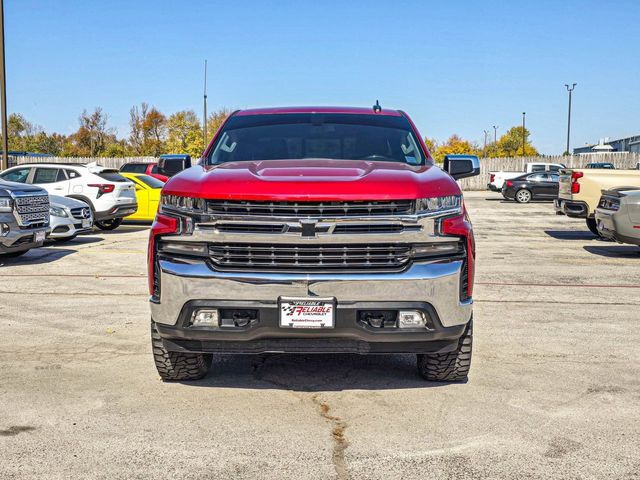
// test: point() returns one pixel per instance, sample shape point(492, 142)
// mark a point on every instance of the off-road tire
point(523, 196)
point(109, 224)
point(448, 367)
point(177, 366)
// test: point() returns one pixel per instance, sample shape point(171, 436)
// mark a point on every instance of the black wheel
point(175, 366)
point(109, 224)
point(448, 367)
point(523, 196)
point(593, 226)
point(13, 254)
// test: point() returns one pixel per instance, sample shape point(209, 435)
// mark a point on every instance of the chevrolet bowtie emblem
point(309, 228)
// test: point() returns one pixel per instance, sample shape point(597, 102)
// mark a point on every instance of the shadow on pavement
point(314, 373)
point(36, 256)
point(80, 240)
point(615, 251)
point(570, 234)
point(124, 228)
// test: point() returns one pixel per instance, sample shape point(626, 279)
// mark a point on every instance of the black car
point(531, 186)
point(607, 165)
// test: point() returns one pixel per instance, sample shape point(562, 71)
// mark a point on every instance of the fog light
point(411, 319)
point(205, 318)
point(4, 229)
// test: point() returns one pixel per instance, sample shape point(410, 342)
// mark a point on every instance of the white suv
point(110, 196)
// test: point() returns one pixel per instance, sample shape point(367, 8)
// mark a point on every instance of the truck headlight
point(448, 203)
point(57, 212)
point(182, 204)
point(6, 204)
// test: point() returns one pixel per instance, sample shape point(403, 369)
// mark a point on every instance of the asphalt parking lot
point(554, 389)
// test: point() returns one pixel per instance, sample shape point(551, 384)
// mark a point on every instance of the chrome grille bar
point(31, 209)
point(310, 209)
point(308, 257)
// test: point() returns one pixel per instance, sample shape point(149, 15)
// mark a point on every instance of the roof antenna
point(377, 108)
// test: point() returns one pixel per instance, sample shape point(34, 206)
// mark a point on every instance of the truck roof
point(346, 110)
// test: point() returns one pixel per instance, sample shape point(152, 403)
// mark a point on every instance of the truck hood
point(312, 179)
point(13, 187)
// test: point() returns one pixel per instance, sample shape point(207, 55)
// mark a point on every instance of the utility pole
point(4, 164)
point(204, 121)
point(484, 150)
point(570, 90)
point(524, 136)
point(495, 134)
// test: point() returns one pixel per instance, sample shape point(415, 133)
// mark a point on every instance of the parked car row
point(608, 199)
point(59, 202)
point(498, 179)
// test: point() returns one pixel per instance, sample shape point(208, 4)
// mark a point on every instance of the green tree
point(184, 134)
point(148, 128)
point(454, 145)
point(93, 137)
point(510, 144)
point(216, 119)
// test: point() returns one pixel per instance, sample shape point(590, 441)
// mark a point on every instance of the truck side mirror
point(462, 166)
point(169, 165)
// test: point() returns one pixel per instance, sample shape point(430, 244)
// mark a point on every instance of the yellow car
point(148, 191)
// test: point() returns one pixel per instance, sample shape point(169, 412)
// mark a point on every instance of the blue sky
point(455, 67)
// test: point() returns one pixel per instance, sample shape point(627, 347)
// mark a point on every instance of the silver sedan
point(69, 218)
point(618, 215)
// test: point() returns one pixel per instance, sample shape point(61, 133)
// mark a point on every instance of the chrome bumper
point(436, 283)
point(571, 208)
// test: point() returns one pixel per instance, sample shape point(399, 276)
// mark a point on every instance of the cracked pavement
point(553, 392)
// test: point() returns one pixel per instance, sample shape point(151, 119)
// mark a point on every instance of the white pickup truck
point(497, 179)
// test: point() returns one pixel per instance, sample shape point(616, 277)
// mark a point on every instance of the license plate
point(307, 312)
point(86, 223)
point(39, 236)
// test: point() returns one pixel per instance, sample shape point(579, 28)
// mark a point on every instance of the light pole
point(484, 149)
point(495, 134)
point(524, 136)
point(570, 90)
point(4, 164)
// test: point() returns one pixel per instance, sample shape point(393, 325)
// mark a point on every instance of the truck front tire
point(451, 366)
point(176, 366)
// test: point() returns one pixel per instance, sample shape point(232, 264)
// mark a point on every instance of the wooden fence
point(109, 162)
point(513, 164)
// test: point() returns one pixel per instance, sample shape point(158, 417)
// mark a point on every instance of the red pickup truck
point(314, 230)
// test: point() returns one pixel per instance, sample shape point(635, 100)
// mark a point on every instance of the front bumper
point(433, 288)
point(571, 208)
point(19, 239)
point(66, 227)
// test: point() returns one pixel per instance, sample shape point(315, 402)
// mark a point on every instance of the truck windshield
point(293, 136)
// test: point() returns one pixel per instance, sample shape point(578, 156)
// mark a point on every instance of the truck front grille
point(305, 258)
point(309, 209)
point(32, 210)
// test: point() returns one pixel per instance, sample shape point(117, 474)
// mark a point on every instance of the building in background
point(628, 144)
